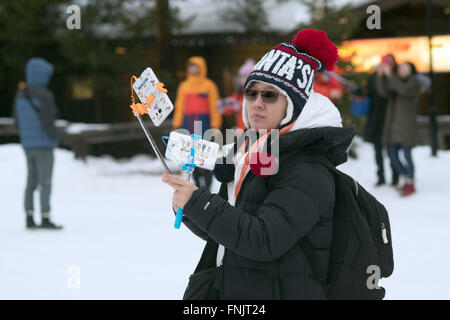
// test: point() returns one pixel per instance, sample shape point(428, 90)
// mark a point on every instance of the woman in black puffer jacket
point(261, 225)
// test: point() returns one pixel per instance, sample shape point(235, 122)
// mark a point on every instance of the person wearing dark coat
point(375, 123)
point(403, 90)
point(35, 113)
point(258, 230)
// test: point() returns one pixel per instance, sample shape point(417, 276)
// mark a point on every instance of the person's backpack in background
point(361, 250)
point(47, 117)
point(360, 107)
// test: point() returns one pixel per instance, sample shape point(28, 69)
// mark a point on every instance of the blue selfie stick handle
point(178, 218)
point(179, 215)
point(188, 167)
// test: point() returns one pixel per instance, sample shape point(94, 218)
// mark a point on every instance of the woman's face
point(265, 114)
point(404, 70)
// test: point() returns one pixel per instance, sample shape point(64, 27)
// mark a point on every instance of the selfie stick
point(140, 109)
point(153, 144)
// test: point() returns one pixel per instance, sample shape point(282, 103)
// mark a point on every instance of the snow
point(4, 121)
point(282, 16)
point(208, 18)
point(419, 224)
point(120, 243)
point(77, 128)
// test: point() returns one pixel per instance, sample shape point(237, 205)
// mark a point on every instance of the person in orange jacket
point(196, 100)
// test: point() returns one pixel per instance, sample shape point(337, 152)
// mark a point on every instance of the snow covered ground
point(119, 241)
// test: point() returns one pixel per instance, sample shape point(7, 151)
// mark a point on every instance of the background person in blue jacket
point(35, 114)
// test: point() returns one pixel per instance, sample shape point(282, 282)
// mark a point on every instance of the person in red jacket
point(328, 86)
point(231, 107)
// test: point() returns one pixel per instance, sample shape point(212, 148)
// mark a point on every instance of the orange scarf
point(252, 149)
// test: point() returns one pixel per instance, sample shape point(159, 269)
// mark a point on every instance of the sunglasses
point(266, 96)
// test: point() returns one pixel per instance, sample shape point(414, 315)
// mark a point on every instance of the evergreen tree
point(27, 29)
point(250, 15)
point(114, 34)
point(339, 25)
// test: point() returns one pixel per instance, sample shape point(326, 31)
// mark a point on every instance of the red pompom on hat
point(316, 44)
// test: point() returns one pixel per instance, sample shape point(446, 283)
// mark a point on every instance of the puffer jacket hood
point(319, 126)
point(34, 108)
point(38, 72)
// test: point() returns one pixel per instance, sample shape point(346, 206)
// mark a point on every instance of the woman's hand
point(384, 69)
point(380, 70)
point(183, 190)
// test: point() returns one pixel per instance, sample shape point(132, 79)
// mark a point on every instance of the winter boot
point(401, 182)
point(408, 189)
point(30, 224)
point(380, 182)
point(47, 224)
point(395, 179)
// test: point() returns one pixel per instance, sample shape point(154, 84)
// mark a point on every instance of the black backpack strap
point(47, 123)
point(209, 255)
point(27, 96)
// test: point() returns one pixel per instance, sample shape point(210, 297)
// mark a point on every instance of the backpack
point(360, 108)
point(361, 250)
point(47, 120)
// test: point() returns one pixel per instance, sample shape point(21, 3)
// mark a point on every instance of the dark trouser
point(202, 177)
point(406, 169)
point(380, 165)
point(40, 168)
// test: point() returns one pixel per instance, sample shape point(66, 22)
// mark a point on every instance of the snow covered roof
point(282, 17)
point(206, 16)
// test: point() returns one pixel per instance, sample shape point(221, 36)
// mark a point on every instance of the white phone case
point(160, 108)
point(179, 150)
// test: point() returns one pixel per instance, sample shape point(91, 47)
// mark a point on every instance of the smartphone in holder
point(179, 150)
point(153, 96)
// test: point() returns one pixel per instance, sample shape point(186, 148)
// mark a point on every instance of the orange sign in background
point(366, 54)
